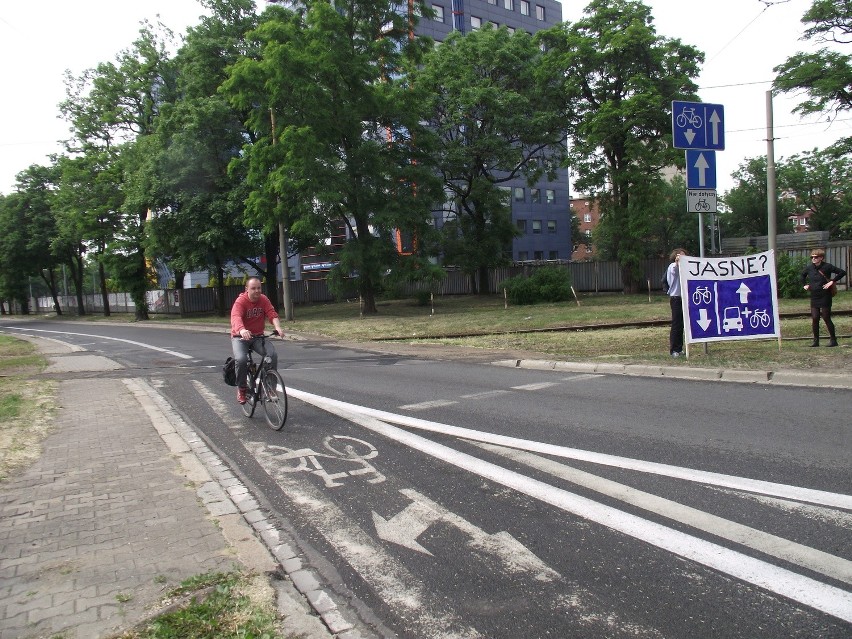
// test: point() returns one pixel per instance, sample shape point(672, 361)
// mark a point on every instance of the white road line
point(433, 404)
point(805, 556)
point(805, 590)
point(485, 394)
point(114, 339)
point(425, 615)
point(577, 378)
point(534, 387)
point(809, 495)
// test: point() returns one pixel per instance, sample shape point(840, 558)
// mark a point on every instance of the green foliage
point(547, 284)
point(819, 179)
point(746, 204)
point(789, 276)
point(494, 112)
point(620, 78)
point(826, 75)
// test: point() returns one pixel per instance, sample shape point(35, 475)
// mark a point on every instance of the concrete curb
point(742, 376)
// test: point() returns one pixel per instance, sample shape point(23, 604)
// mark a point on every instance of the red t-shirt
point(245, 314)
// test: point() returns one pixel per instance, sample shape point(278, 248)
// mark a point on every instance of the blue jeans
point(241, 350)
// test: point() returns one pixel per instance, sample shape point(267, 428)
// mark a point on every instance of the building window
point(522, 226)
point(535, 196)
point(494, 2)
point(551, 226)
point(525, 7)
point(553, 255)
point(509, 5)
point(587, 217)
point(519, 194)
point(523, 256)
point(588, 236)
point(539, 12)
point(538, 255)
point(550, 196)
point(439, 12)
point(536, 227)
point(475, 22)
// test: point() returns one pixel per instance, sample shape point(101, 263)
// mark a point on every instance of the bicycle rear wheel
point(251, 402)
point(274, 400)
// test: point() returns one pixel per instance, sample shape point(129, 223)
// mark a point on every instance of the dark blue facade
point(542, 213)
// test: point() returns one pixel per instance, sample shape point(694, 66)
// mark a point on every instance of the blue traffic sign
point(697, 125)
point(701, 169)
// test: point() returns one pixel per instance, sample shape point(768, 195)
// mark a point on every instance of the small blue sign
point(698, 125)
point(701, 169)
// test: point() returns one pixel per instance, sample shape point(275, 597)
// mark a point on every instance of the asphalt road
point(451, 499)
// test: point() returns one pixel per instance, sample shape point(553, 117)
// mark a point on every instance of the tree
point(671, 225)
point(344, 153)
point(746, 203)
point(37, 188)
point(197, 202)
point(820, 180)
point(14, 258)
point(116, 105)
point(825, 76)
point(620, 80)
point(493, 113)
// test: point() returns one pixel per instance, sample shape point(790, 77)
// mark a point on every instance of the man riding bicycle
point(248, 320)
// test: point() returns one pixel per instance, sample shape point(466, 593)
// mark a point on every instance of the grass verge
point(27, 404)
point(234, 605)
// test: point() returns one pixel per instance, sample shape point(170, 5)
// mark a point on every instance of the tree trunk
point(76, 266)
point(104, 293)
point(270, 245)
point(179, 277)
point(50, 279)
point(141, 300)
point(483, 287)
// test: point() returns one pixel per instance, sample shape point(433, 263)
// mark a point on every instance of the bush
point(548, 284)
point(789, 275)
point(423, 298)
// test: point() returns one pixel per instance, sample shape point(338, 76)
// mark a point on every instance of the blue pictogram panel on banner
point(729, 298)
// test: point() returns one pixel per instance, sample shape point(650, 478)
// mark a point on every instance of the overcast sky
point(742, 39)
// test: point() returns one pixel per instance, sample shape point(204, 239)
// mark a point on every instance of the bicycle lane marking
point(394, 583)
point(114, 339)
point(805, 590)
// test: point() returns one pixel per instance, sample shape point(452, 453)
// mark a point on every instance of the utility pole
point(771, 187)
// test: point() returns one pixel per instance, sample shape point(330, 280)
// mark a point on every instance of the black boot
point(815, 342)
point(832, 341)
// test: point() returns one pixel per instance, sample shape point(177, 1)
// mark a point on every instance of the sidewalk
point(122, 506)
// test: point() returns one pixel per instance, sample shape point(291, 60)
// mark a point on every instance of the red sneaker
point(241, 395)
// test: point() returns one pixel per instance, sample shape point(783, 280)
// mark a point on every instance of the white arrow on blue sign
point(698, 125)
point(701, 169)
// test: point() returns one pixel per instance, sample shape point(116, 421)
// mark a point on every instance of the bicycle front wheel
point(274, 400)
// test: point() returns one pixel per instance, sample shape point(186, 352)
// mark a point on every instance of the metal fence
point(594, 276)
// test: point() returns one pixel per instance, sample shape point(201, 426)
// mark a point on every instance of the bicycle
point(265, 386)
point(759, 318)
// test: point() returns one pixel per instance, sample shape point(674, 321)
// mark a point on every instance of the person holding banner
point(820, 279)
point(673, 280)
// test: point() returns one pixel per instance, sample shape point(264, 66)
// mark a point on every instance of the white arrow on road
point(743, 292)
point(404, 528)
point(703, 321)
point(714, 121)
point(702, 165)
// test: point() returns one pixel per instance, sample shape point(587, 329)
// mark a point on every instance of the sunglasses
point(816, 257)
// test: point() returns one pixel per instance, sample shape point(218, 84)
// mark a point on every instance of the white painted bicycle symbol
point(759, 318)
point(342, 451)
point(702, 294)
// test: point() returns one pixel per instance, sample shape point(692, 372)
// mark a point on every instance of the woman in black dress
point(819, 277)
